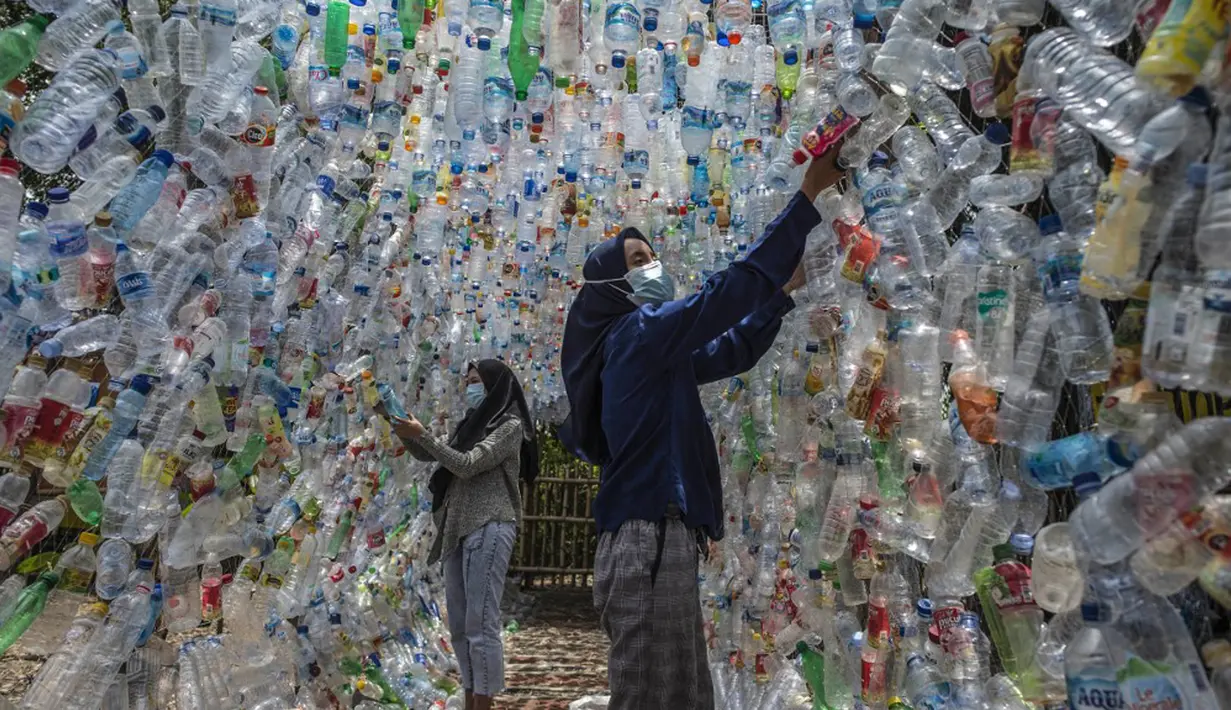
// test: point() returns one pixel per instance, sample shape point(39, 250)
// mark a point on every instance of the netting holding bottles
point(968, 476)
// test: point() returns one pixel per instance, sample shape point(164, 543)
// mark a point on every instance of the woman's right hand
point(824, 171)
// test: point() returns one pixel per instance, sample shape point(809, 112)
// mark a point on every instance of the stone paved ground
point(558, 656)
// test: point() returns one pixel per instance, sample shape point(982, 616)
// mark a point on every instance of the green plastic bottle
point(814, 672)
point(532, 25)
point(30, 604)
point(522, 64)
point(788, 77)
point(337, 24)
point(18, 45)
point(86, 500)
point(410, 19)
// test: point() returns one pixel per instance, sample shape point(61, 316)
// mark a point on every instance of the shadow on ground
point(558, 656)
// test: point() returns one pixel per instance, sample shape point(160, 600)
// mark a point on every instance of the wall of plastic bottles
point(232, 227)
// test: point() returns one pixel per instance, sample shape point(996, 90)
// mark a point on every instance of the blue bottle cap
point(617, 60)
point(50, 348)
point(790, 56)
point(879, 159)
point(864, 22)
point(651, 23)
point(997, 133)
point(485, 43)
point(156, 111)
point(1022, 543)
point(923, 608)
point(36, 209)
point(1010, 490)
point(145, 563)
point(313, 9)
point(1050, 224)
point(164, 156)
point(1197, 174)
point(141, 383)
point(58, 195)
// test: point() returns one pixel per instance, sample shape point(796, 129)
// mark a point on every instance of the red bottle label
point(1013, 589)
point(211, 599)
point(878, 625)
point(18, 426)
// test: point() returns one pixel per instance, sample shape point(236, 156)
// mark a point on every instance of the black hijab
point(504, 399)
point(596, 309)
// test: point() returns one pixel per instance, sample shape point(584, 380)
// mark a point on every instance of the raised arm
point(502, 443)
point(738, 349)
point(685, 325)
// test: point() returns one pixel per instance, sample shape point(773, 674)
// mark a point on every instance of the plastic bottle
point(76, 567)
point(19, 45)
point(29, 607)
point(1161, 486)
point(64, 111)
point(14, 488)
point(1175, 294)
point(1116, 123)
point(848, 486)
point(81, 25)
point(622, 31)
point(1079, 323)
point(1179, 47)
point(889, 116)
point(29, 529)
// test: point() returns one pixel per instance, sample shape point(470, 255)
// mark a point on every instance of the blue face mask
point(475, 394)
point(651, 284)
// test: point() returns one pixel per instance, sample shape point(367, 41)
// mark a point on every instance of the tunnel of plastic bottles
point(968, 474)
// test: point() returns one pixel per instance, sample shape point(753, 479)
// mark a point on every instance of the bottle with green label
point(1157, 664)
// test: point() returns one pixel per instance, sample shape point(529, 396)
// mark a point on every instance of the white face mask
point(475, 394)
point(650, 284)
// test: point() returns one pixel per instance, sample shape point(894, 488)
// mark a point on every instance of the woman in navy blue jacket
point(633, 358)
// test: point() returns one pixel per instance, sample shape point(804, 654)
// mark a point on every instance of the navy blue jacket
point(662, 449)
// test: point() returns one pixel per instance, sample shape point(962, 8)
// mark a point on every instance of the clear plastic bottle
point(1134, 507)
point(1079, 323)
point(81, 25)
point(76, 567)
point(843, 502)
point(622, 31)
point(1176, 297)
point(66, 109)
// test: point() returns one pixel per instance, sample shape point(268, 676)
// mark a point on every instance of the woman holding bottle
point(633, 357)
point(476, 505)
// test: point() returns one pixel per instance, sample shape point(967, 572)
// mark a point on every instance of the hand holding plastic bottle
point(824, 171)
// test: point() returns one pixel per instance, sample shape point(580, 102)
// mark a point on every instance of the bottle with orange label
point(976, 400)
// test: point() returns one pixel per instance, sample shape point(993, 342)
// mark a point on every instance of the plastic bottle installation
point(230, 229)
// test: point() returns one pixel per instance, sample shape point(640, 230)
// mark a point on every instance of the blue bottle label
point(134, 286)
point(69, 239)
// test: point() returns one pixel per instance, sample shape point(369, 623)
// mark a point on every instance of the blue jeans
point(474, 584)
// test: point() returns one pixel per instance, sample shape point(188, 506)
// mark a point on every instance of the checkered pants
point(657, 659)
